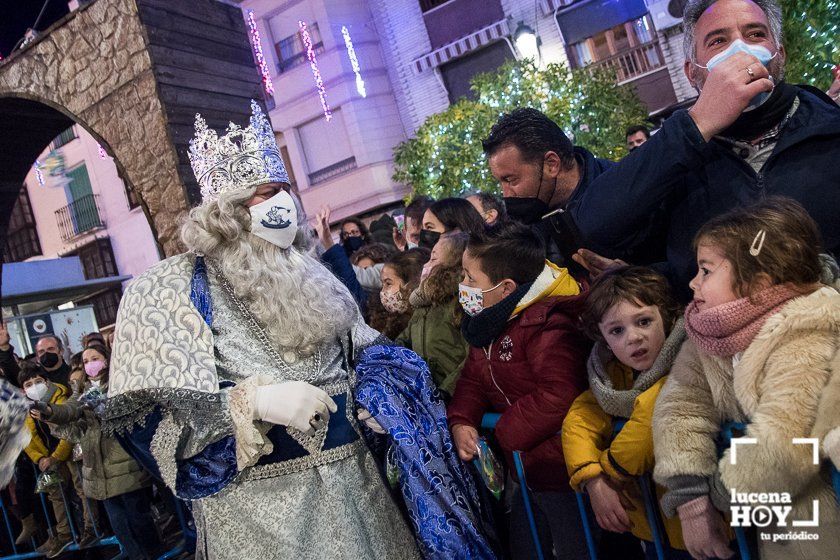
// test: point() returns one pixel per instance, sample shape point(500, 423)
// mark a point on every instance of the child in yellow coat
point(630, 312)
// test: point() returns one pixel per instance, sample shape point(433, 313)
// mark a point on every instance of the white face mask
point(275, 220)
point(472, 299)
point(37, 391)
point(761, 53)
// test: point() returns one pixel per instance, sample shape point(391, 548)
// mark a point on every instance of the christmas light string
point(38, 174)
point(256, 45)
point(354, 61)
point(313, 64)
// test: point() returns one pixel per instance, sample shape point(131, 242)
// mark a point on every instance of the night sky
point(16, 16)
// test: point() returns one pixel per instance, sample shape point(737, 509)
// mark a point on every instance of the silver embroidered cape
point(166, 355)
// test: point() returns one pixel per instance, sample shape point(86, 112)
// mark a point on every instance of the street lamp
point(527, 42)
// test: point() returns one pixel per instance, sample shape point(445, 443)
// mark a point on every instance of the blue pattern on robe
point(200, 476)
point(395, 386)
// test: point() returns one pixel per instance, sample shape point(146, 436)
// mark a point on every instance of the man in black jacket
point(539, 171)
point(49, 351)
point(733, 147)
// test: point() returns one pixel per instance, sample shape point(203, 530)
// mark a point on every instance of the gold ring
point(750, 72)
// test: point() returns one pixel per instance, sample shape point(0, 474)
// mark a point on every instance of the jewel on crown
point(242, 158)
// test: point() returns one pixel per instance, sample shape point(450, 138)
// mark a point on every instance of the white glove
point(294, 404)
point(369, 421)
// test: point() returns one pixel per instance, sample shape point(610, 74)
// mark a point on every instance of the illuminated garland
point(256, 44)
point(354, 62)
point(38, 174)
point(102, 153)
point(313, 64)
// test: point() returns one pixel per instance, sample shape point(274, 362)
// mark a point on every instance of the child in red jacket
point(527, 361)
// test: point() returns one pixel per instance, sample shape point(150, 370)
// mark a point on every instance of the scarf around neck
point(482, 329)
point(729, 328)
point(753, 124)
point(620, 403)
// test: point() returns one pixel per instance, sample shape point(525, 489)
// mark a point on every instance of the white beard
point(294, 297)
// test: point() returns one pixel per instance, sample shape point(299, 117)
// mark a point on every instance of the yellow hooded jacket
point(37, 448)
point(587, 431)
point(552, 281)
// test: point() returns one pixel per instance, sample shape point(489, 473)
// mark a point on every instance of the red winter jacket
point(530, 374)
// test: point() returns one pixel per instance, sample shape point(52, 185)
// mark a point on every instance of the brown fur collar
point(439, 288)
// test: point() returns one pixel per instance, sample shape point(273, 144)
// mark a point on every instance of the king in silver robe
point(232, 373)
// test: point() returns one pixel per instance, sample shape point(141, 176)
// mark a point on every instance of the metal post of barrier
point(587, 529)
point(488, 421)
point(73, 533)
point(835, 480)
point(523, 485)
point(188, 533)
point(651, 510)
point(15, 554)
point(12, 538)
point(90, 505)
point(743, 545)
point(726, 432)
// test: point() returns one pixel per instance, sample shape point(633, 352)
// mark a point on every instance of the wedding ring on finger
point(750, 72)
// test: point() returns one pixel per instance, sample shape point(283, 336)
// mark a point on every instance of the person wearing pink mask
point(399, 275)
point(109, 474)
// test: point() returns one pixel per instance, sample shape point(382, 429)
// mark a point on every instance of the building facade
point(73, 203)
point(337, 144)
point(437, 46)
point(339, 111)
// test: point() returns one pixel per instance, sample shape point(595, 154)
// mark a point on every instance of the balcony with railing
point(633, 63)
point(333, 170)
point(79, 217)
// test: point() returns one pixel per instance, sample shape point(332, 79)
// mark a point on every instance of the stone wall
point(95, 67)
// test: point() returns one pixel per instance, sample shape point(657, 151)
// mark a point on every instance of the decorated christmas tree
point(812, 40)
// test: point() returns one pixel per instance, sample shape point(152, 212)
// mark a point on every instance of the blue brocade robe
point(169, 396)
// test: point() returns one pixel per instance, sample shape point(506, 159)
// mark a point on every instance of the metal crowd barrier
point(726, 434)
point(183, 546)
point(17, 554)
point(647, 489)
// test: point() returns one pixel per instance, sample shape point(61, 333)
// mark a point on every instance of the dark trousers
point(131, 519)
point(558, 525)
point(25, 486)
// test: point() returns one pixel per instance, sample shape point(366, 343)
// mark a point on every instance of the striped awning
point(465, 45)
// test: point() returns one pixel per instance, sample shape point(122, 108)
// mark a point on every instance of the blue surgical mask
point(762, 54)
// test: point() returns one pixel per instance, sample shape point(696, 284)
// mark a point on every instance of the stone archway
point(133, 73)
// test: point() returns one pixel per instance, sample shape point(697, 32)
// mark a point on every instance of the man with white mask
point(232, 372)
point(749, 135)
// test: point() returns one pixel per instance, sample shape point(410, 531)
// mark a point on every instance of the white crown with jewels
point(242, 158)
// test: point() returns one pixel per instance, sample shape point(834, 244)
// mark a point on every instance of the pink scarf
point(729, 328)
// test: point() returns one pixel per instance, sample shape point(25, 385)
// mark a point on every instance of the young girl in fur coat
point(762, 334)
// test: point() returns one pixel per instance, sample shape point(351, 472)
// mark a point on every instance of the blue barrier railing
point(489, 421)
point(188, 532)
point(18, 555)
point(835, 480)
point(726, 433)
